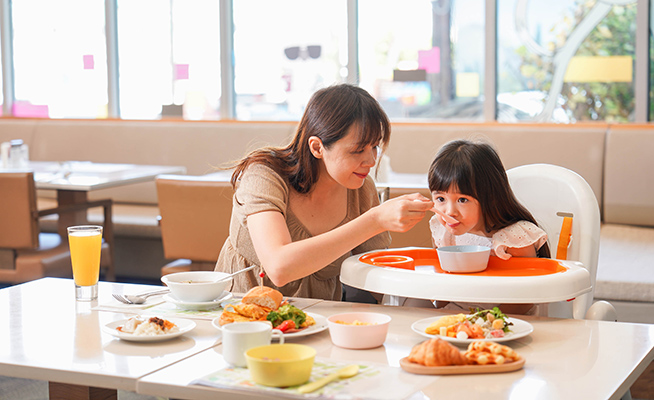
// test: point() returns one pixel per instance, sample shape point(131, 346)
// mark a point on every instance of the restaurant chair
point(195, 212)
point(26, 253)
point(559, 199)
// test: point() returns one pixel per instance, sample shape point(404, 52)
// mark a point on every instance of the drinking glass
point(85, 243)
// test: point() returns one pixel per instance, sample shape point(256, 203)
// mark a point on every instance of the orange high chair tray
point(415, 272)
point(411, 258)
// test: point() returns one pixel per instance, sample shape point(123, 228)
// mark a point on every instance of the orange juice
point(85, 256)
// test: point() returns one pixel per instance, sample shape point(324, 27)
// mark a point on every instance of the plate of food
point(202, 305)
point(262, 303)
point(148, 329)
point(437, 357)
point(490, 325)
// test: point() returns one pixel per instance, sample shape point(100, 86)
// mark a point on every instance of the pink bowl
point(358, 336)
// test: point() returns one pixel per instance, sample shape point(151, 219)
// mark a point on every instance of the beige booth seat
point(626, 261)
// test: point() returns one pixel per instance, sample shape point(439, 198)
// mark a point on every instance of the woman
point(299, 211)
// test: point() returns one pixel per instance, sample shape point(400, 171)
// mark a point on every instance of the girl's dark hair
point(475, 169)
point(329, 115)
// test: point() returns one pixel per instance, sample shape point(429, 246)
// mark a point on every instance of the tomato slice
point(286, 325)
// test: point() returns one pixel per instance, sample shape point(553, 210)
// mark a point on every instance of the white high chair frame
point(546, 190)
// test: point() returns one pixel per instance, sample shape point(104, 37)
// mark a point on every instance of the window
point(283, 52)
point(424, 59)
point(60, 67)
point(169, 59)
point(565, 61)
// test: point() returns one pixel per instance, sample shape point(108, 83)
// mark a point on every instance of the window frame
point(228, 96)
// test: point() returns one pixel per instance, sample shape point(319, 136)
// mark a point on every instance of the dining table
point(73, 180)
point(48, 335)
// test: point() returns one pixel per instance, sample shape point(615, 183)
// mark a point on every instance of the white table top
point(49, 336)
point(564, 358)
point(86, 176)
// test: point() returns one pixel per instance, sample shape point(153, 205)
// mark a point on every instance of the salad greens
point(287, 312)
point(489, 316)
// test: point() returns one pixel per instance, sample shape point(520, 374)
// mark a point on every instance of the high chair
point(565, 206)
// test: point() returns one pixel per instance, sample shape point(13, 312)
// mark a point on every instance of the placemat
point(374, 381)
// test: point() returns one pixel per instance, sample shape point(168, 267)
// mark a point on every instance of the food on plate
point(480, 324)
point(482, 353)
point(148, 327)
point(435, 327)
point(262, 303)
point(436, 353)
point(263, 296)
point(355, 322)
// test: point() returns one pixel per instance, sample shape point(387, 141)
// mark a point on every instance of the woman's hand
point(402, 213)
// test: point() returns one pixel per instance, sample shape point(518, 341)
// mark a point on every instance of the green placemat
point(372, 382)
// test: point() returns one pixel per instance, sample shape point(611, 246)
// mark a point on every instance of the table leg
point(68, 197)
point(63, 391)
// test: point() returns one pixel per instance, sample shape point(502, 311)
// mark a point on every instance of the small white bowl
point(196, 286)
point(358, 336)
point(463, 259)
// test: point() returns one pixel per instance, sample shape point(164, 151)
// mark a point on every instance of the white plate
point(198, 305)
point(519, 329)
point(184, 325)
point(321, 325)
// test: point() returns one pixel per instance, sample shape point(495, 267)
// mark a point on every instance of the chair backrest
point(19, 228)
point(195, 215)
point(548, 190)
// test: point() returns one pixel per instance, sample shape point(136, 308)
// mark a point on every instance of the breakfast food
point(262, 303)
point(355, 322)
point(484, 353)
point(263, 296)
point(151, 327)
point(449, 320)
point(435, 353)
point(481, 324)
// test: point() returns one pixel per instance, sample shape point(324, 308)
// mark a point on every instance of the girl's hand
point(402, 213)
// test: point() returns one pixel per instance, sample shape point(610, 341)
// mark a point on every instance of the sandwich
point(262, 303)
point(263, 296)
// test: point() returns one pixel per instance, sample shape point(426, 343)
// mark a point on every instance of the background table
point(74, 179)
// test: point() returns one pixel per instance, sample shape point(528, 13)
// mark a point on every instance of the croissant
point(435, 353)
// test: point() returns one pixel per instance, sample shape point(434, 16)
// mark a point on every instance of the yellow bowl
point(280, 365)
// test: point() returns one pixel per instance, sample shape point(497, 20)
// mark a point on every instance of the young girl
point(300, 210)
point(474, 204)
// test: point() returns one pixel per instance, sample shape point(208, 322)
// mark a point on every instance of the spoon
point(235, 273)
point(446, 217)
point(343, 373)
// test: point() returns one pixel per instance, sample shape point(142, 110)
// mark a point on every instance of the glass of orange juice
point(85, 243)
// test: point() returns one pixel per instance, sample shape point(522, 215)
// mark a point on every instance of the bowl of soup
point(197, 286)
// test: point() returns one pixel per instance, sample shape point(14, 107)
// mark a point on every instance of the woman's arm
point(285, 261)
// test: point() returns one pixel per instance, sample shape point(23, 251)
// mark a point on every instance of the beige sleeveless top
point(262, 189)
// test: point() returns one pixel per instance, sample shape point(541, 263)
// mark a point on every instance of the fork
point(125, 299)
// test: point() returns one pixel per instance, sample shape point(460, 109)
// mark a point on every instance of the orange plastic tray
point(515, 266)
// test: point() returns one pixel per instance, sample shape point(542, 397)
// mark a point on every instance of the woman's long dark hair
point(475, 169)
point(329, 115)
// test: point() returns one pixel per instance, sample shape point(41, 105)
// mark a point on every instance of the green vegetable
point(483, 314)
point(287, 312)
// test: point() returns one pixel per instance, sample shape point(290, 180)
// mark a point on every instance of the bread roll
point(264, 297)
point(436, 353)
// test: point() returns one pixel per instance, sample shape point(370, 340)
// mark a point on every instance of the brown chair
point(25, 253)
point(194, 217)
